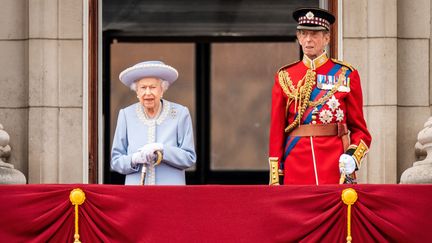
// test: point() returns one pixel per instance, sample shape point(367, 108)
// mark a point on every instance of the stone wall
point(414, 18)
point(388, 41)
point(55, 91)
point(41, 94)
point(14, 85)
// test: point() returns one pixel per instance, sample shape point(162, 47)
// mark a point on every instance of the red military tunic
point(335, 97)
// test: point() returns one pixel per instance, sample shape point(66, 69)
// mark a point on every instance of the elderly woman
point(153, 142)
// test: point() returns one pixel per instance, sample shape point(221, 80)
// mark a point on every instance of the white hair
point(164, 84)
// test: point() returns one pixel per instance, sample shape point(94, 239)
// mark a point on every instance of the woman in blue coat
point(153, 142)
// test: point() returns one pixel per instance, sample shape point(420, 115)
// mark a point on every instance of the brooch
point(173, 113)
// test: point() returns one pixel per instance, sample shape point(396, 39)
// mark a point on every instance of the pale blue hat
point(156, 69)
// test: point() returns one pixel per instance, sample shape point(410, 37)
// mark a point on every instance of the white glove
point(149, 151)
point(146, 154)
point(137, 159)
point(156, 147)
point(347, 164)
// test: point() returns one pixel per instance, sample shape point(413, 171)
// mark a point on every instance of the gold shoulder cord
point(301, 94)
point(343, 64)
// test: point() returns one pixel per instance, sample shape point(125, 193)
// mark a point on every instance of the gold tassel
point(77, 197)
point(349, 197)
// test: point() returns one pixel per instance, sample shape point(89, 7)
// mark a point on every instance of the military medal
point(327, 82)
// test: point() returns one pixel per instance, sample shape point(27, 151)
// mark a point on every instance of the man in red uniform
point(317, 131)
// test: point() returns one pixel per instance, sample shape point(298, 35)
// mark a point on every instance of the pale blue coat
point(173, 128)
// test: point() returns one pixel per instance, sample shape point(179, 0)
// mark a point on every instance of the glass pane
point(242, 77)
point(180, 56)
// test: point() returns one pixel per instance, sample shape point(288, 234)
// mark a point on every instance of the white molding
point(324, 5)
point(85, 79)
point(86, 94)
point(100, 115)
point(340, 30)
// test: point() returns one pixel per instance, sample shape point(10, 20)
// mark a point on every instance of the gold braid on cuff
point(274, 171)
point(359, 153)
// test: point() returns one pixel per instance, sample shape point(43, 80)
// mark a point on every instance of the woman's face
point(313, 42)
point(149, 92)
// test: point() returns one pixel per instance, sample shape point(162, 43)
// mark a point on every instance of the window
point(227, 53)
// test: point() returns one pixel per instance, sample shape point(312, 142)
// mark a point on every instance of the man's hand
point(347, 164)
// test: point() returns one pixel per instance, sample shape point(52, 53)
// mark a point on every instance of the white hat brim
point(156, 70)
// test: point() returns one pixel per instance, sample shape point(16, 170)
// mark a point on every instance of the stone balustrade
point(8, 174)
point(421, 171)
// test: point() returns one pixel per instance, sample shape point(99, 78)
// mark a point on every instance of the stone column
point(413, 86)
point(421, 171)
point(55, 91)
point(14, 78)
point(8, 175)
point(370, 45)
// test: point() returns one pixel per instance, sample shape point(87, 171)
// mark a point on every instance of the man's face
point(313, 42)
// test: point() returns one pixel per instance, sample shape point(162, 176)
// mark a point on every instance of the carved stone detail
point(8, 175)
point(421, 171)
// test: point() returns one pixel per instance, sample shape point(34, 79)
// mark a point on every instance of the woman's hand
point(147, 154)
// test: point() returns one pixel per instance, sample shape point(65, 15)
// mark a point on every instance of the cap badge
point(309, 15)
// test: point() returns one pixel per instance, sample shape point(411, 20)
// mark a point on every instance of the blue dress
point(172, 128)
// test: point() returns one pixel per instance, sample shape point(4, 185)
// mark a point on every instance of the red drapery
point(382, 213)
